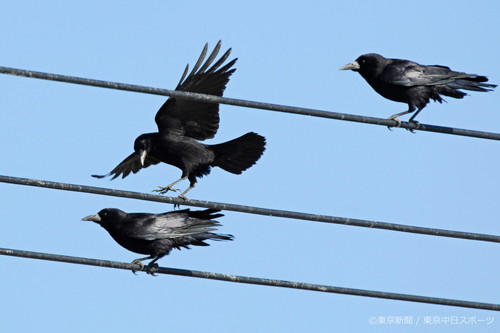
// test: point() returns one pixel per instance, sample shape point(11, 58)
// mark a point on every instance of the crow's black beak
point(352, 66)
point(142, 156)
point(93, 218)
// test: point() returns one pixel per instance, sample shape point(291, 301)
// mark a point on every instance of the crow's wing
point(409, 74)
point(191, 118)
point(174, 224)
point(131, 164)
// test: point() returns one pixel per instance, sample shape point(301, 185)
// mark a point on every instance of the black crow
point(182, 122)
point(157, 234)
point(408, 82)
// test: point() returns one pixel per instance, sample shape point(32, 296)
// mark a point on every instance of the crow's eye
point(104, 214)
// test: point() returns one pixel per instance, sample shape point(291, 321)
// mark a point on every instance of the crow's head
point(368, 65)
point(107, 217)
point(143, 145)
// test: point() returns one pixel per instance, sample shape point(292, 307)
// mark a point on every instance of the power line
point(251, 210)
point(252, 280)
point(246, 103)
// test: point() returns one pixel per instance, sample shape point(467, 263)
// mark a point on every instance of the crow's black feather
point(182, 122)
point(157, 234)
point(414, 84)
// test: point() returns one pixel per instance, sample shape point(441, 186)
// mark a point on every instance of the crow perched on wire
point(182, 122)
point(157, 234)
point(408, 82)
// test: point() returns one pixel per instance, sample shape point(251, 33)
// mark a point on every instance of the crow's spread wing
point(131, 164)
point(191, 118)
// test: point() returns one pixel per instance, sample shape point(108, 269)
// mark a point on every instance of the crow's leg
point(413, 117)
point(153, 266)
point(138, 262)
point(394, 117)
point(191, 186)
point(414, 121)
point(163, 190)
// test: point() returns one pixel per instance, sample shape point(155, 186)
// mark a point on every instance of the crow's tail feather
point(222, 237)
point(207, 214)
point(474, 83)
point(198, 239)
point(237, 155)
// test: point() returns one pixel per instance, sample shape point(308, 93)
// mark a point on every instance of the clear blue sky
point(289, 53)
